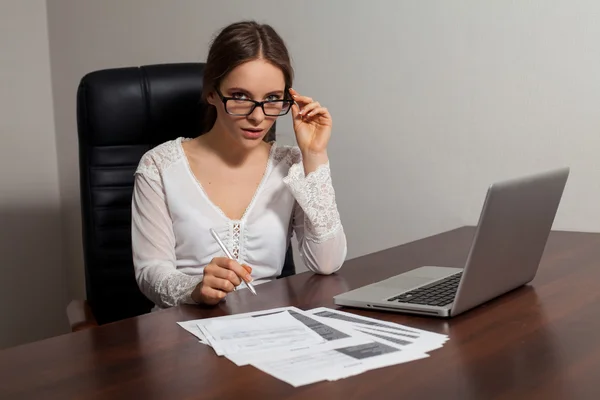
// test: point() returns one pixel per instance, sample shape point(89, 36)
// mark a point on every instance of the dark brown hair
point(236, 44)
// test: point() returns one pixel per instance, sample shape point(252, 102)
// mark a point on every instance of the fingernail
point(248, 278)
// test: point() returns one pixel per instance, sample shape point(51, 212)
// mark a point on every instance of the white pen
point(228, 254)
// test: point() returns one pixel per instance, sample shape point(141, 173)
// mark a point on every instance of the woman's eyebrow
point(247, 92)
point(237, 89)
point(277, 92)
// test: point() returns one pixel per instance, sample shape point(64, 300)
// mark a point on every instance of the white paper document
point(192, 325)
point(303, 347)
point(332, 338)
point(265, 333)
point(333, 364)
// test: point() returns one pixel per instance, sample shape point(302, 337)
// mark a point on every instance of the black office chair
point(121, 114)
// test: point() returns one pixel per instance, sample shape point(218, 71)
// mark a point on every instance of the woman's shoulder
point(158, 159)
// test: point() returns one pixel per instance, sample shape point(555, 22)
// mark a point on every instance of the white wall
point(431, 100)
point(32, 275)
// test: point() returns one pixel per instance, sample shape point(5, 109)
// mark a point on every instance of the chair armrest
point(80, 315)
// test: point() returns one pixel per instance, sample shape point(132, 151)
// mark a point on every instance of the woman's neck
point(229, 150)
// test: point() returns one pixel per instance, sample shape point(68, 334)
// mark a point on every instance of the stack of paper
point(302, 347)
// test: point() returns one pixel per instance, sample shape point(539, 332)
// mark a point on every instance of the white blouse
point(172, 215)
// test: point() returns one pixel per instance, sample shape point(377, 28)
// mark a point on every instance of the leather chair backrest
point(121, 114)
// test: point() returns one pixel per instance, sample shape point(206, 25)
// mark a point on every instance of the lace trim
point(158, 159)
point(174, 288)
point(315, 194)
point(290, 154)
point(236, 232)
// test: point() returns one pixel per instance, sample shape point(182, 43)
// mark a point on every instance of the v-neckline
point(218, 209)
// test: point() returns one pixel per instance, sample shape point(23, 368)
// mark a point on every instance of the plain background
point(432, 101)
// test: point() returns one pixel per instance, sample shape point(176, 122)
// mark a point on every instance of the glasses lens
point(278, 107)
point(240, 107)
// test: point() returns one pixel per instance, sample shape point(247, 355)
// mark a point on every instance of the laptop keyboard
point(439, 293)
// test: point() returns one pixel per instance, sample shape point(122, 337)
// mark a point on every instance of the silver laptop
point(509, 241)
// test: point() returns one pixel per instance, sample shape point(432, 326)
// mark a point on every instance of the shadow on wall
point(73, 247)
point(33, 289)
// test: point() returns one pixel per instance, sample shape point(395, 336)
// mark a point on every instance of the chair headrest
point(141, 105)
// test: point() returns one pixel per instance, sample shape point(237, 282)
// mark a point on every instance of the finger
point(224, 273)
point(293, 92)
point(300, 99)
point(296, 112)
point(235, 267)
point(320, 111)
point(224, 285)
point(211, 268)
point(295, 106)
point(309, 107)
point(247, 268)
point(212, 296)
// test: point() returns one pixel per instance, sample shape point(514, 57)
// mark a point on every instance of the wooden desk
point(540, 341)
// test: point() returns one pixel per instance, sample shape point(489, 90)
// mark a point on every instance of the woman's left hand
point(312, 125)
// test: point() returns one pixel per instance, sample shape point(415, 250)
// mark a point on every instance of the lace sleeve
point(315, 194)
point(316, 219)
point(153, 245)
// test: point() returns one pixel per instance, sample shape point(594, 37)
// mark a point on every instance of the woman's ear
point(211, 98)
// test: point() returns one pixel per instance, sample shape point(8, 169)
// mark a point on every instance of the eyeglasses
point(243, 107)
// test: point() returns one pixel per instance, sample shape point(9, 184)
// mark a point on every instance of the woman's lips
point(252, 133)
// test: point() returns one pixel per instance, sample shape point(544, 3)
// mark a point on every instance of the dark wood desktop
point(539, 341)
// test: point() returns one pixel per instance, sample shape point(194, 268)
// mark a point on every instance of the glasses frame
point(256, 104)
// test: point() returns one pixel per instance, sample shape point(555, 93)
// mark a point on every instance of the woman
point(254, 194)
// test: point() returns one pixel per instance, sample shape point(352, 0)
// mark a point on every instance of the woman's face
point(254, 80)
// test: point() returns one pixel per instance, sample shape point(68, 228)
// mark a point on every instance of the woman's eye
point(239, 95)
point(272, 97)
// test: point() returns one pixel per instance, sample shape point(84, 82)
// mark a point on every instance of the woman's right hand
point(221, 276)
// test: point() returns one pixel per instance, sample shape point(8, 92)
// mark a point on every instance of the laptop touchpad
point(404, 282)
point(417, 277)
